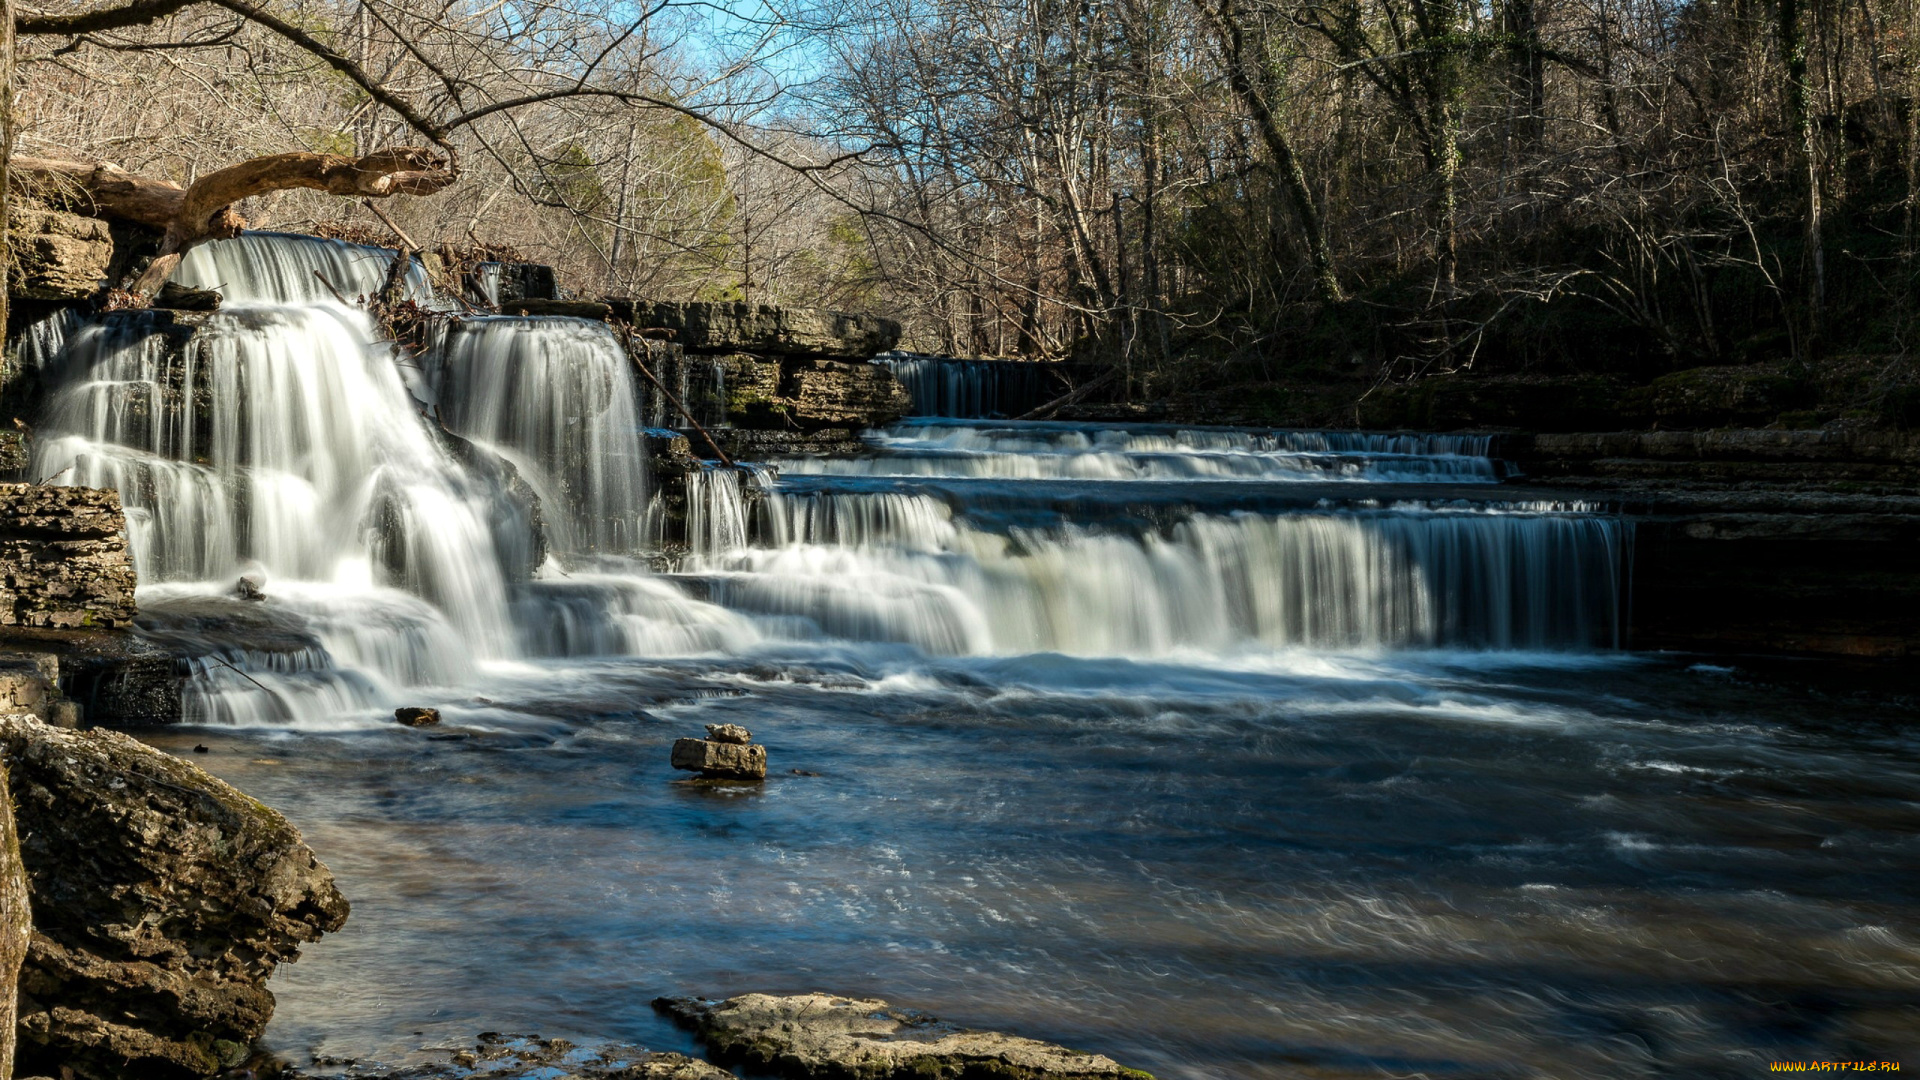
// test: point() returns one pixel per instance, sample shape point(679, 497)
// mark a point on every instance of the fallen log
point(1072, 398)
point(204, 210)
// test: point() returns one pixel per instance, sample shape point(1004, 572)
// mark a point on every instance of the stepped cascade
point(375, 496)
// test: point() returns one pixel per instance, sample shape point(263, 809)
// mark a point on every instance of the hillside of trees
point(1301, 209)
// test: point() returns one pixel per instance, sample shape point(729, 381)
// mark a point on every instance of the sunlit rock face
point(162, 900)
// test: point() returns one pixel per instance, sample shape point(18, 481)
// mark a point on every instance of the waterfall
point(898, 569)
point(948, 386)
point(1079, 452)
point(556, 397)
point(718, 508)
point(389, 508)
point(283, 268)
point(278, 440)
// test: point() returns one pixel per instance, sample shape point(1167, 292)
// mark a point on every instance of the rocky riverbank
point(162, 901)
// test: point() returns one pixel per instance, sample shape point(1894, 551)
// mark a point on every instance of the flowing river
point(1230, 754)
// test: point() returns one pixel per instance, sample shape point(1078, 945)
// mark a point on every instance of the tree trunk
point(205, 211)
point(1793, 53)
point(1232, 41)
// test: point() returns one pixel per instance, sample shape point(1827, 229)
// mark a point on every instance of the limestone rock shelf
point(825, 1037)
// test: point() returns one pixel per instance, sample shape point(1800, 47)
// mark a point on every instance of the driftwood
point(205, 210)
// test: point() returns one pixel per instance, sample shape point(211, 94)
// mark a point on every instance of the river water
point(1225, 753)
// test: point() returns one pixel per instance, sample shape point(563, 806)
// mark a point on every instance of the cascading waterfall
point(556, 397)
point(284, 268)
point(952, 387)
point(891, 567)
point(718, 507)
point(280, 439)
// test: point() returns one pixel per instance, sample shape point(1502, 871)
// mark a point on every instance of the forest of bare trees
point(1194, 190)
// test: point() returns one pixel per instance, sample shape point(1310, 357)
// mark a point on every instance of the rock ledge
point(823, 1037)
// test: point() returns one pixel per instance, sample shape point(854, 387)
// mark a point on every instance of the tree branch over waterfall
point(204, 210)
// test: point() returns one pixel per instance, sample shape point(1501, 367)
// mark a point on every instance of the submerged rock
point(819, 1036)
point(162, 900)
point(529, 1057)
point(720, 760)
point(729, 733)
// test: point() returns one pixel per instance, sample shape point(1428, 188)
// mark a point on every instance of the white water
point(285, 268)
point(556, 397)
point(282, 442)
point(1082, 452)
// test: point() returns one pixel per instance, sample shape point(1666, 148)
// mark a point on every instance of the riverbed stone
point(414, 716)
point(720, 760)
point(163, 899)
point(729, 733)
point(826, 1037)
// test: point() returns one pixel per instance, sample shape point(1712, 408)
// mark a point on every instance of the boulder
point(820, 1036)
point(417, 717)
point(64, 563)
point(760, 328)
point(162, 900)
point(729, 733)
point(719, 760)
point(30, 683)
point(57, 255)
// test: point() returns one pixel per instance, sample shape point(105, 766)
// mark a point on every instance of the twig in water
point(242, 674)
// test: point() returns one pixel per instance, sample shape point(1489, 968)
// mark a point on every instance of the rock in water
point(162, 900)
point(729, 733)
point(414, 717)
point(817, 1036)
point(719, 760)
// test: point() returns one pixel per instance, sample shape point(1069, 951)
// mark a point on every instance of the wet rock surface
point(163, 899)
point(810, 393)
point(823, 1037)
point(744, 444)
